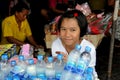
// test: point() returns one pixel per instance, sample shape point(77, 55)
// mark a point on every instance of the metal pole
point(115, 16)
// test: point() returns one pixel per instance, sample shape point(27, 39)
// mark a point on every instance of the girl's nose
point(67, 33)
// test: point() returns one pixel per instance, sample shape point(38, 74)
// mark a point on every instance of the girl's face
point(69, 32)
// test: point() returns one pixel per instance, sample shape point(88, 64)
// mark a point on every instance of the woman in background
point(16, 29)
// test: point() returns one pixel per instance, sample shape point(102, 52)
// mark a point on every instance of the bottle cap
point(13, 62)
point(50, 59)
point(77, 47)
point(4, 57)
point(21, 57)
point(59, 56)
point(30, 61)
point(40, 57)
point(87, 49)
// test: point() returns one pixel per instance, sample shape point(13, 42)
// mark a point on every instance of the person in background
point(58, 7)
point(16, 29)
point(38, 18)
point(72, 27)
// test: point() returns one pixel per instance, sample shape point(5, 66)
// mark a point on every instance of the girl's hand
point(65, 56)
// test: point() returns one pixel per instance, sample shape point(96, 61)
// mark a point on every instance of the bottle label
point(81, 66)
point(69, 66)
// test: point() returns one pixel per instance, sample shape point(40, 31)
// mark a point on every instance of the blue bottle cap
point(50, 59)
point(21, 57)
point(87, 49)
point(77, 47)
point(59, 56)
point(30, 61)
point(13, 62)
point(40, 57)
point(4, 57)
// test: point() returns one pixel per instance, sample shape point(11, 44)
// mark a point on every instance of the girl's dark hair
point(19, 7)
point(79, 16)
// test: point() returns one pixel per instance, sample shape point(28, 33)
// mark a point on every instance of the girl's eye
point(63, 29)
point(72, 30)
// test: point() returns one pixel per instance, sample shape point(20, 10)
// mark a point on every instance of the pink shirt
point(53, 3)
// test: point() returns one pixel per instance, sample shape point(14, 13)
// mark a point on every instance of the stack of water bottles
point(76, 67)
point(22, 69)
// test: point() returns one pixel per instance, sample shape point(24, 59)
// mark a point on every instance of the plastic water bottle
point(30, 70)
point(21, 62)
point(59, 66)
point(40, 68)
point(89, 74)
point(22, 66)
point(5, 67)
point(13, 71)
point(72, 57)
point(70, 65)
point(84, 60)
point(50, 70)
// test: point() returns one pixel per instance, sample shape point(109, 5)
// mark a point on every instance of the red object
point(75, 14)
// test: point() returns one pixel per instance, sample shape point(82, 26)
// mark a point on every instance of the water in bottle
point(84, 60)
point(72, 57)
point(70, 65)
point(4, 65)
point(59, 66)
point(40, 68)
point(50, 70)
point(14, 70)
point(30, 70)
point(22, 66)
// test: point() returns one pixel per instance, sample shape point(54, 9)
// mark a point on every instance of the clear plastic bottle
point(73, 57)
point(70, 65)
point(22, 66)
point(50, 70)
point(13, 70)
point(84, 60)
point(40, 68)
point(59, 66)
point(30, 70)
point(4, 65)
